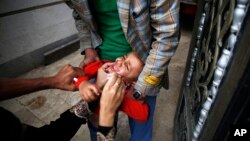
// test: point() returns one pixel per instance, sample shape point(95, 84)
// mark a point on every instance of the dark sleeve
point(62, 129)
point(104, 130)
point(110, 136)
point(11, 127)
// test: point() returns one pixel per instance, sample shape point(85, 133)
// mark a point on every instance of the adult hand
point(90, 56)
point(111, 98)
point(89, 92)
point(102, 76)
point(64, 78)
point(108, 67)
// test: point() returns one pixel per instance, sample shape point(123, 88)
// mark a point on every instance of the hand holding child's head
point(102, 76)
point(111, 99)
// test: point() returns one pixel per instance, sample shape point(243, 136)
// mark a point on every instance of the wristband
point(79, 80)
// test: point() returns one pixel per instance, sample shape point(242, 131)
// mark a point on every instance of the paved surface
point(41, 107)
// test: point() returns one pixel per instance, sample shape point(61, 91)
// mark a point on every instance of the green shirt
point(109, 26)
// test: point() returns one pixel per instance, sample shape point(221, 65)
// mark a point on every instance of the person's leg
point(63, 129)
point(143, 131)
point(92, 131)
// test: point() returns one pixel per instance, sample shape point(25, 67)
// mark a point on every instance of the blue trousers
point(139, 131)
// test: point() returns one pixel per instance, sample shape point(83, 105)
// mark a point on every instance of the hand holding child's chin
point(102, 77)
point(108, 67)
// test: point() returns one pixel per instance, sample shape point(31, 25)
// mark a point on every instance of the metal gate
point(217, 64)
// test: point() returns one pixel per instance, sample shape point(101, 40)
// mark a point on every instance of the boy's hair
point(137, 54)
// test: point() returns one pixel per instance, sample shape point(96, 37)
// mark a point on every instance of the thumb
point(96, 90)
point(82, 64)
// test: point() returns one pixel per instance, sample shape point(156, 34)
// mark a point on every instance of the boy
point(128, 68)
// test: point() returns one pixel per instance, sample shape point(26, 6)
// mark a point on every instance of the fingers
point(121, 90)
point(95, 90)
point(68, 67)
point(118, 81)
point(69, 70)
point(78, 71)
point(82, 64)
point(65, 67)
point(72, 87)
point(91, 93)
point(112, 95)
point(88, 96)
point(72, 72)
point(107, 64)
point(101, 73)
point(112, 80)
point(106, 67)
point(116, 85)
point(90, 56)
point(64, 78)
point(102, 78)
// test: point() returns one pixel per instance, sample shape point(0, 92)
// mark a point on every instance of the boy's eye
point(127, 67)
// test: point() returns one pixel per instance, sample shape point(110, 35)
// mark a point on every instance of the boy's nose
point(119, 63)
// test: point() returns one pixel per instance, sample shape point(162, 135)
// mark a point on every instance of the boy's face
point(128, 67)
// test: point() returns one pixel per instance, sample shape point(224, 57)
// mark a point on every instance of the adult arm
point(111, 98)
point(80, 13)
point(164, 20)
point(13, 87)
point(85, 42)
point(85, 25)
